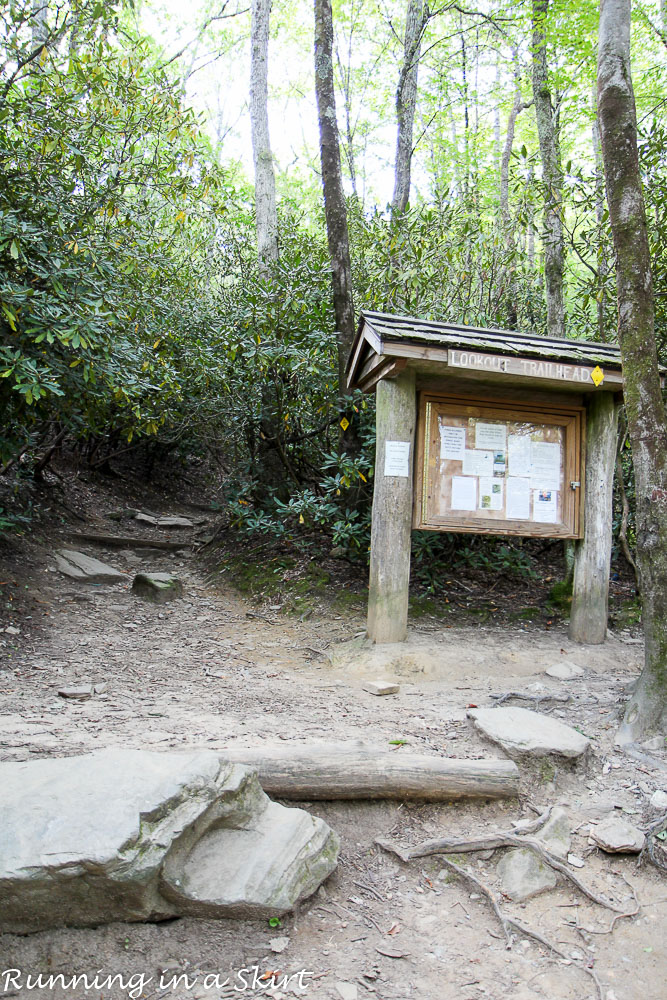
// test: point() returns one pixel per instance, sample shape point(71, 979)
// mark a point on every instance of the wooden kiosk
point(488, 432)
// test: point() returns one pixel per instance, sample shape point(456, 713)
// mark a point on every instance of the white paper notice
point(518, 455)
point(545, 506)
point(492, 436)
point(545, 465)
point(464, 493)
point(397, 458)
point(518, 499)
point(477, 463)
point(452, 442)
point(490, 493)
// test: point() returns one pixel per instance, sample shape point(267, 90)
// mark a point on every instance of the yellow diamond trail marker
point(345, 423)
point(597, 375)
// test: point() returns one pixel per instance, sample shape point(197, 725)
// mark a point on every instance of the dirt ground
point(215, 670)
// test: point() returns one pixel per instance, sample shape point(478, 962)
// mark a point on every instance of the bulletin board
point(499, 467)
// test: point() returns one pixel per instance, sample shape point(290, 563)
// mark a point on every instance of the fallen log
point(127, 541)
point(356, 771)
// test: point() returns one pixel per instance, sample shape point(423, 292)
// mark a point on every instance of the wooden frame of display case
point(440, 480)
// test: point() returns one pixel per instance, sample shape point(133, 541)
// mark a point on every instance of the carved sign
point(495, 364)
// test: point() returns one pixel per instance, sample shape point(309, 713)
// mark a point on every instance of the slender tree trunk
point(599, 216)
point(39, 22)
point(332, 182)
point(517, 108)
point(265, 185)
point(552, 175)
point(406, 102)
point(647, 708)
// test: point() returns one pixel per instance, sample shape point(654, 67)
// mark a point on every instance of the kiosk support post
point(392, 512)
point(590, 595)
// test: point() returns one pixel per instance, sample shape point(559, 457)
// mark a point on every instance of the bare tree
point(335, 208)
point(552, 175)
point(647, 427)
point(406, 101)
point(265, 183)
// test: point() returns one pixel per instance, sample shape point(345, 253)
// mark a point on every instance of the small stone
point(146, 519)
point(523, 875)
point(10, 630)
point(616, 836)
point(347, 991)
point(555, 834)
point(655, 743)
point(157, 587)
point(381, 687)
point(278, 944)
point(77, 693)
point(522, 732)
point(573, 860)
point(659, 800)
point(564, 670)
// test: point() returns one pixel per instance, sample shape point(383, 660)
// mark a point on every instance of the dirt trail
point(213, 671)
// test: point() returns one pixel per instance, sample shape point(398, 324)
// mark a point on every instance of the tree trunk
point(39, 22)
point(354, 771)
point(265, 185)
point(335, 209)
point(647, 708)
point(599, 217)
point(406, 102)
point(552, 176)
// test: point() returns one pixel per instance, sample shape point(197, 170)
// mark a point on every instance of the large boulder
point(522, 733)
point(137, 835)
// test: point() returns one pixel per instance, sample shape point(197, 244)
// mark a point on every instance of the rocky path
point(213, 671)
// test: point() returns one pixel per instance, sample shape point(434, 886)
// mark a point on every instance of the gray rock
point(77, 693)
point(149, 519)
point(616, 836)
point(347, 991)
point(655, 743)
point(523, 875)
point(174, 522)
point(521, 732)
point(79, 566)
point(564, 670)
point(380, 688)
point(556, 833)
point(137, 835)
point(659, 800)
point(157, 587)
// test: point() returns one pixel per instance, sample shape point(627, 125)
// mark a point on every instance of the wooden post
point(392, 512)
point(590, 595)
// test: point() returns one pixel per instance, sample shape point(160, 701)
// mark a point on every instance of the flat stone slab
point(616, 836)
point(521, 732)
point(79, 566)
point(523, 875)
point(166, 522)
point(157, 587)
point(137, 835)
point(565, 671)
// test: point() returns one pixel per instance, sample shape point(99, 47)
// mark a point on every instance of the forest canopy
point(136, 313)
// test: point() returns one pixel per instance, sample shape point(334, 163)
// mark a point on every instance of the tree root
point(648, 850)
point(506, 922)
point(502, 838)
point(537, 699)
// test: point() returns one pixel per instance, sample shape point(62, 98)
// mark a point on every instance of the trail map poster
point(499, 468)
